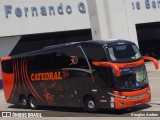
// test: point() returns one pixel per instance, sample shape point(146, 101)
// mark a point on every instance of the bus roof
point(90, 42)
point(73, 44)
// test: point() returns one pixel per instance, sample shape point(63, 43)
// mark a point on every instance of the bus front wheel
point(90, 105)
point(33, 103)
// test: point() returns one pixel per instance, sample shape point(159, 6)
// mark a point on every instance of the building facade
point(31, 25)
point(134, 20)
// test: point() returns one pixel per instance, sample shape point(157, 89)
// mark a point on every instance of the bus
point(86, 74)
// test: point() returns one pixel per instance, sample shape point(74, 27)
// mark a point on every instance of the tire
point(33, 103)
point(90, 105)
point(23, 102)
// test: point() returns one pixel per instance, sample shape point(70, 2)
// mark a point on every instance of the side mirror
point(153, 60)
point(108, 64)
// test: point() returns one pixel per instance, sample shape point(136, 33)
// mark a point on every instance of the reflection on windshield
point(126, 52)
point(132, 78)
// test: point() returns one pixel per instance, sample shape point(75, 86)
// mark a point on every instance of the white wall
point(118, 18)
point(98, 19)
point(113, 20)
point(13, 25)
point(145, 14)
point(7, 44)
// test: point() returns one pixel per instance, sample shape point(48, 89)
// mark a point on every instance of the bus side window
point(58, 60)
point(94, 53)
point(40, 62)
point(7, 66)
point(44, 62)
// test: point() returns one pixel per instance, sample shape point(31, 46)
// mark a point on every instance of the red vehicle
point(91, 74)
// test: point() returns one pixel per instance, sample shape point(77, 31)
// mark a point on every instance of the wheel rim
point(91, 105)
point(32, 103)
point(24, 102)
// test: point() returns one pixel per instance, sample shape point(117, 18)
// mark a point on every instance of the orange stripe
point(32, 88)
point(26, 81)
point(151, 59)
point(131, 64)
point(8, 83)
point(22, 76)
point(131, 103)
point(18, 76)
point(109, 64)
point(15, 77)
point(133, 93)
point(6, 58)
point(127, 103)
point(117, 66)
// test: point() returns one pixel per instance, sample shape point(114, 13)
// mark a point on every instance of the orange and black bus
point(90, 74)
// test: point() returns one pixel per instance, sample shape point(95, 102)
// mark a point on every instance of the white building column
point(111, 19)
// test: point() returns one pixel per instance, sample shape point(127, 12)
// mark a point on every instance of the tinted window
point(124, 53)
point(95, 53)
point(134, 80)
point(67, 58)
point(40, 62)
point(7, 66)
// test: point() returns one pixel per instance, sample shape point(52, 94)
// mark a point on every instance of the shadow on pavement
point(155, 103)
point(70, 111)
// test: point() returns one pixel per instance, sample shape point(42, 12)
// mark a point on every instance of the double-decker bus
point(90, 74)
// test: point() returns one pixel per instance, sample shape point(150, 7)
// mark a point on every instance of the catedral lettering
point(46, 76)
point(103, 74)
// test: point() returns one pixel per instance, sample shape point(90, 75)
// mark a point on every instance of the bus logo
point(74, 60)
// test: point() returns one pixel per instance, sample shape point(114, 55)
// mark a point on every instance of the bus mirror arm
point(153, 60)
point(108, 64)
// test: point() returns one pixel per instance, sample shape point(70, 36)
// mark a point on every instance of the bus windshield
point(123, 53)
point(132, 79)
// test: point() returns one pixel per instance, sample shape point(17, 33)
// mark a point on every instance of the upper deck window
point(123, 53)
point(65, 58)
point(95, 53)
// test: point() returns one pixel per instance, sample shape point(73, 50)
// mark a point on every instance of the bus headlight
point(148, 92)
point(119, 96)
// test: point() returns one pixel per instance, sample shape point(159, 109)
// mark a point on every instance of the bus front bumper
point(126, 103)
point(132, 99)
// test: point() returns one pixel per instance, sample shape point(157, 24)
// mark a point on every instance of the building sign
point(147, 4)
point(43, 10)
